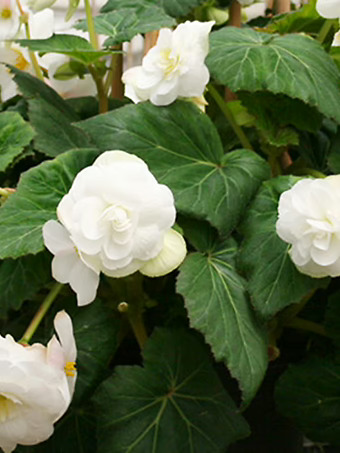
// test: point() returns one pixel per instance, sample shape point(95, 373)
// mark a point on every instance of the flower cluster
point(173, 68)
point(309, 220)
point(36, 385)
point(116, 219)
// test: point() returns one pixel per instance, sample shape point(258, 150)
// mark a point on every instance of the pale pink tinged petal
point(55, 354)
point(84, 281)
point(192, 84)
point(173, 253)
point(64, 328)
point(56, 237)
point(62, 266)
point(330, 9)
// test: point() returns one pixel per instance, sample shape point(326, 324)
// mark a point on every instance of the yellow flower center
point(6, 408)
point(6, 13)
point(70, 369)
point(20, 61)
point(169, 62)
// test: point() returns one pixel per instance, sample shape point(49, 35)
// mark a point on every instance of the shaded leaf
point(175, 403)
point(332, 318)
point(124, 24)
point(294, 65)
point(173, 7)
point(74, 46)
point(183, 150)
point(310, 395)
point(21, 279)
point(217, 303)
point(39, 191)
point(273, 280)
point(15, 134)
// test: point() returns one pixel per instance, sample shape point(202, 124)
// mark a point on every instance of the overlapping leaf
point(175, 403)
point(310, 394)
point(273, 280)
point(294, 65)
point(15, 134)
point(74, 46)
point(218, 306)
point(123, 24)
point(20, 279)
point(39, 191)
point(173, 7)
point(183, 150)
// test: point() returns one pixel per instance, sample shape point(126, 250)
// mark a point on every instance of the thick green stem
point(90, 25)
point(102, 96)
point(328, 24)
point(137, 323)
point(305, 324)
point(229, 116)
point(38, 317)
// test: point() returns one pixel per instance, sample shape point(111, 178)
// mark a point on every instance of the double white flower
point(36, 385)
point(116, 219)
point(173, 68)
point(330, 9)
point(309, 220)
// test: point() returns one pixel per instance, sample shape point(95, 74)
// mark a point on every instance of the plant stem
point(102, 97)
point(38, 317)
point(282, 6)
point(235, 14)
point(327, 25)
point(90, 25)
point(305, 324)
point(33, 58)
point(137, 323)
point(229, 116)
point(114, 78)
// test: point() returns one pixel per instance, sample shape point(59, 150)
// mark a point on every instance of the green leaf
point(72, 8)
point(39, 191)
point(124, 24)
point(217, 303)
point(15, 134)
point(294, 65)
point(310, 395)
point(175, 403)
point(183, 150)
point(21, 279)
point(274, 282)
point(173, 7)
point(54, 132)
point(74, 46)
point(96, 332)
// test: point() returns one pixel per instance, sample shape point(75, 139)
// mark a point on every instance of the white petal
point(64, 328)
point(173, 253)
point(84, 281)
point(115, 157)
point(56, 237)
point(192, 84)
point(330, 9)
point(62, 265)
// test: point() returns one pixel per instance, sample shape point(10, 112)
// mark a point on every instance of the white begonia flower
point(13, 56)
point(9, 19)
point(119, 218)
point(34, 385)
point(330, 9)
point(309, 220)
point(67, 264)
point(173, 68)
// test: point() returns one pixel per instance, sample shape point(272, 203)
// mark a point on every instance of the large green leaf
point(183, 150)
point(175, 403)
point(332, 318)
point(15, 134)
point(310, 394)
point(124, 24)
point(218, 306)
point(74, 46)
point(39, 191)
point(295, 65)
point(20, 279)
point(274, 281)
point(173, 7)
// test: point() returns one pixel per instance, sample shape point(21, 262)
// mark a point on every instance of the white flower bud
point(330, 9)
point(309, 220)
